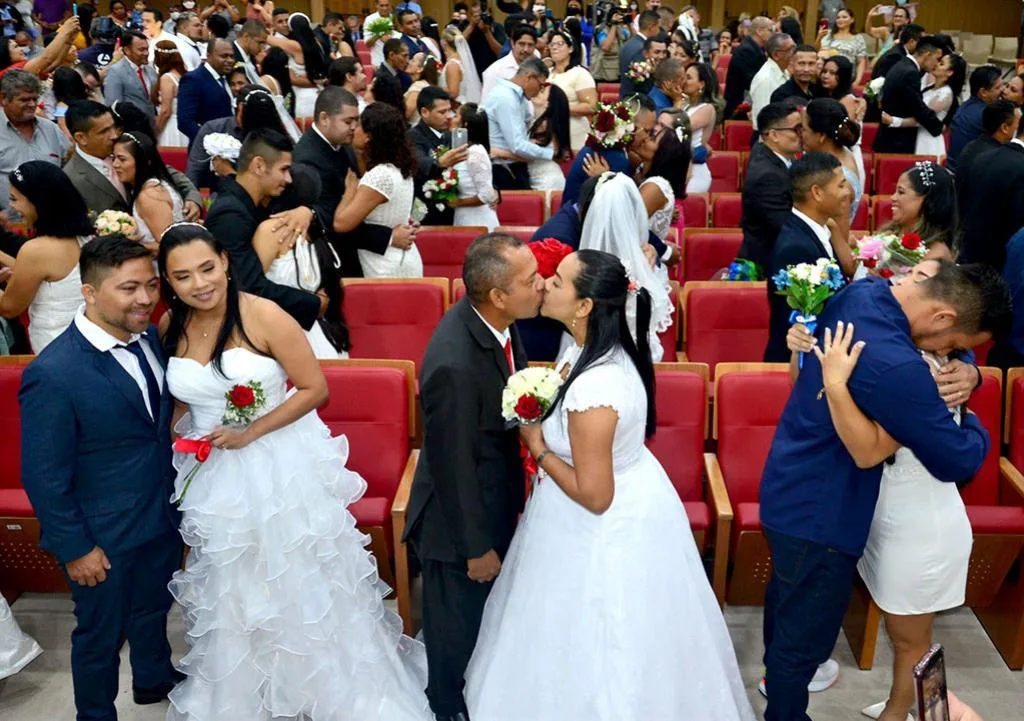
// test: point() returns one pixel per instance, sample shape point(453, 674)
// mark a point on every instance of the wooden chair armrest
point(401, 502)
point(1013, 476)
point(716, 485)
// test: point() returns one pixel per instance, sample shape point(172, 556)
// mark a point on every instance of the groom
point(96, 463)
point(468, 490)
point(816, 504)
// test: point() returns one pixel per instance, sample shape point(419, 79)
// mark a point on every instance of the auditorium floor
point(42, 692)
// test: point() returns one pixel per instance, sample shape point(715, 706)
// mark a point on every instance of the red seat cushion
point(726, 210)
point(738, 134)
point(176, 158)
point(678, 444)
point(726, 324)
point(705, 254)
point(986, 402)
point(522, 207)
point(10, 422)
point(868, 131)
point(371, 511)
point(889, 168)
point(699, 515)
point(883, 212)
point(996, 519)
point(860, 218)
point(14, 503)
point(748, 516)
point(392, 320)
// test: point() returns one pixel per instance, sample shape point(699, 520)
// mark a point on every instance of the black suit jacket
point(424, 142)
point(201, 99)
point(332, 166)
point(767, 202)
point(797, 243)
point(888, 61)
point(233, 219)
point(790, 89)
point(468, 490)
point(901, 98)
point(994, 206)
point(403, 77)
point(325, 42)
point(747, 59)
point(967, 167)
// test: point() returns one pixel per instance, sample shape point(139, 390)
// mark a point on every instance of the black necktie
point(152, 387)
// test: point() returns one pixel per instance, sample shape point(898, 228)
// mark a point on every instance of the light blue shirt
point(508, 115)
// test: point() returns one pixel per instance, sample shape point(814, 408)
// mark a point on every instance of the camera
point(486, 18)
point(612, 13)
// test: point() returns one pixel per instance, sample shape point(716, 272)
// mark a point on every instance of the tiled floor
point(42, 692)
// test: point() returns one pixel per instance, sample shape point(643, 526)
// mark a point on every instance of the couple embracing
point(595, 604)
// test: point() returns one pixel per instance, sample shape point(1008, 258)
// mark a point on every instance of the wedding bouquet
point(115, 222)
point(874, 89)
point(742, 269)
point(549, 253)
point(806, 287)
point(639, 72)
point(529, 393)
point(222, 145)
point(889, 254)
point(613, 126)
point(380, 28)
point(444, 189)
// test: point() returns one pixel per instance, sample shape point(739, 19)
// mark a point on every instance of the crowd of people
point(318, 151)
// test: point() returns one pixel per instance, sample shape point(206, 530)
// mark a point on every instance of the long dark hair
point(829, 117)
point(957, 78)
point(573, 43)
point(671, 161)
point(389, 138)
point(603, 279)
point(844, 78)
point(275, 64)
point(60, 210)
point(938, 222)
point(148, 163)
point(474, 120)
point(259, 111)
point(553, 123)
point(312, 53)
point(176, 236)
point(68, 86)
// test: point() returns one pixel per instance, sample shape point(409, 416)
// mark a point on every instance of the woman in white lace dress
point(459, 76)
point(156, 203)
point(943, 98)
point(477, 196)
point(171, 67)
point(44, 278)
point(385, 193)
point(666, 158)
point(583, 623)
point(700, 86)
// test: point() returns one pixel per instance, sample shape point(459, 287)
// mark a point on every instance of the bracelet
point(821, 393)
point(542, 455)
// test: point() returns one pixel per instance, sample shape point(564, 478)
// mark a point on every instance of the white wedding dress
point(940, 100)
point(170, 136)
point(605, 617)
point(387, 180)
point(54, 306)
point(700, 173)
point(17, 649)
point(177, 210)
point(546, 174)
point(305, 98)
point(476, 181)
point(283, 606)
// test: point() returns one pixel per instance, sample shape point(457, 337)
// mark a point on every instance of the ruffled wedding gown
point(283, 605)
point(605, 617)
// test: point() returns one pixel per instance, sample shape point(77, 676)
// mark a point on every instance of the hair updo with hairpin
point(829, 117)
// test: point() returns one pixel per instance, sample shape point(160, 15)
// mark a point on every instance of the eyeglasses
point(798, 129)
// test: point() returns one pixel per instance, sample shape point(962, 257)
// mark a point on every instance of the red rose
point(604, 122)
point(870, 263)
point(242, 396)
point(528, 408)
point(623, 112)
point(549, 253)
point(911, 241)
point(203, 452)
point(886, 273)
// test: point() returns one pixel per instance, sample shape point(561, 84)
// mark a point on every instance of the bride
point(584, 622)
point(283, 606)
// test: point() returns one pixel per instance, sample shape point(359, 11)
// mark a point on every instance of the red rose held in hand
point(604, 122)
point(911, 241)
point(242, 396)
point(886, 273)
point(528, 408)
point(203, 452)
point(870, 263)
point(623, 112)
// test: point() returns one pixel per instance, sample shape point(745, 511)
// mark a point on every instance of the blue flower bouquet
point(806, 287)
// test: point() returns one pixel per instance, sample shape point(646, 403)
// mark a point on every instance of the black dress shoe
point(460, 716)
point(147, 696)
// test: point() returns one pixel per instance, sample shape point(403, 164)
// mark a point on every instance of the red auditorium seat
point(681, 396)
point(670, 338)
point(724, 322)
point(554, 202)
point(523, 232)
point(443, 248)
point(738, 134)
point(889, 167)
point(860, 219)
point(695, 210)
point(869, 168)
point(868, 131)
point(881, 211)
point(707, 251)
point(726, 210)
point(725, 171)
point(364, 60)
point(458, 290)
point(393, 318)
point(23, 565)
point(608, 88)
point(749, 399)
point(372, 404)
point(715, 141)
point(361, 46)
point(176, 158)
point(609, 98)
point(722, 74)
point(522, 207)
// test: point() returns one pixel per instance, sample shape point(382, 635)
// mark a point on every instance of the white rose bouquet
point(528, 395)
point(115, 222)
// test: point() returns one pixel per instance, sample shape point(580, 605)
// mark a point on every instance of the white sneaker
point(875, 711)
point(825, 677)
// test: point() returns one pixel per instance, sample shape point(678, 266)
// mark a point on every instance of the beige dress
point(572, 81)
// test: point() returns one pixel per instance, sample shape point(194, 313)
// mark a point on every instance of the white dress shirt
point(191, 52)
point(504, 68)
point(162, 36)
point(822, 231)
point(501, 337)
point(106, 343)
point(768, 79)
point(377, 49)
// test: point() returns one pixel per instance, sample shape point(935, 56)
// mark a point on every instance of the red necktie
point(142, 79)
point(508, 356)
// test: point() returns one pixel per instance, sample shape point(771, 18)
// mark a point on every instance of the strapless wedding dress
point(283, 605)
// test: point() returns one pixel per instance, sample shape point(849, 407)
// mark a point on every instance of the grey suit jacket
point(122, 83)
point(99, 194)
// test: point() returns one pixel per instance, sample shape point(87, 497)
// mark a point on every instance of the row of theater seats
point(714, 453)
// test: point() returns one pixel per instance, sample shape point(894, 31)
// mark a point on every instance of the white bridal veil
point(472, 88)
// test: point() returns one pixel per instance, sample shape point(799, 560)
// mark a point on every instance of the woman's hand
point(533, 436)
point(496, 154)
point(594, 165)
point(230, 439)
point(799, 339)
point(823, 31)
point(650, 253)
point(886, 118)
point(838, 359)
point(959, 711)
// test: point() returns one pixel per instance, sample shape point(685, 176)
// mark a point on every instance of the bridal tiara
point(182, 224)
point(926, 169)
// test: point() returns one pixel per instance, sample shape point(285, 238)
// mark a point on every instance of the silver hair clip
point(181, 224)
point(131, 137)
point(926, 169)
point(17, 175)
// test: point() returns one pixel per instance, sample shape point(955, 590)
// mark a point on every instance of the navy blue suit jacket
point(96, 466)
point(200, 99)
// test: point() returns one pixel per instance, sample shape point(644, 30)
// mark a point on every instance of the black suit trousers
point(514, 176)
point(453, 605)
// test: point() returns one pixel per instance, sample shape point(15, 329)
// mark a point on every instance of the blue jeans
point(805, 602)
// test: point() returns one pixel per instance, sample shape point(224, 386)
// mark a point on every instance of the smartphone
point(930, 679)
point(460, 136)
point(823, 24)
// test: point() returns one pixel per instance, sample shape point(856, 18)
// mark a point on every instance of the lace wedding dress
point(283, 605)
point(387, 180)
point(177, 210)
point(476, 181)
point(605, 617)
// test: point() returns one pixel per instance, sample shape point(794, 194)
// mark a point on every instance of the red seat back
point(882, 213)
point(869, 168)
point(868, 131)
point(707, 252)
point(370, 406)
point(738, 134)
point(523, 232)
point(458, 291)
point(860, 219)
point(369, 70)
point(748, 406)
point(522, 207)
point(986, 402)
point(10, 422)
point(889, 168)
point(1016, 439)
point(725, 171)
point(608, 88)
point(392, 320)
point(695, 210)
point(443, 248)
point(176, 158)
point(715, 139)
point(723, 61)
point(681, 400)
point(554, 202)
point(726, 322)
point(726, 210)
point(670, 338)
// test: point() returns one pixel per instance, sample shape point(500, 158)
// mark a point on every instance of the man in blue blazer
point(96, 463)
point(204, 93)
